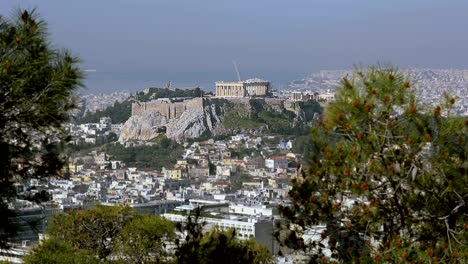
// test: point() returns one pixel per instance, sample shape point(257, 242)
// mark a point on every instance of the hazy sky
point(268, 37)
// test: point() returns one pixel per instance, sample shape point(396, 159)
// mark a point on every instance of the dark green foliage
point(277, 122)
point(271, 119)
point(119, 113)
point(302, 145)
point(234, 121)
point(238, 117)
point(162, 154)
point(144, 240)
point(95, 229)
point(37, 85)
point(104, 234)
point(258, 105)
point(155, 93)
point(54, 252)
point(388, 178)
point(224, 245)
point(243, 152)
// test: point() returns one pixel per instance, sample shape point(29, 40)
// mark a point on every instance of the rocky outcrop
point(207, 120)
point(191, 124)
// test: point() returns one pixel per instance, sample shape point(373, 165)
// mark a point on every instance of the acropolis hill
point(169, 108)
point(211, 116)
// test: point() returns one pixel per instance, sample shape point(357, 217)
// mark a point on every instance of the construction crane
point(237, 70)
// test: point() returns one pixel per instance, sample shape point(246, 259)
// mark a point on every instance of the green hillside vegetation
point(277, 122)
point(261, 114)
point(233, 120)
point(119, 113)
point(83, 147)
point(163, 153)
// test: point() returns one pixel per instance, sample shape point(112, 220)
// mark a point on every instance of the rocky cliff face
point(209, 119)
point(191, 124)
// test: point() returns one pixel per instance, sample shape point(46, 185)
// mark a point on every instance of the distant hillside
point(270, 115)
point(119, 113)
point(91, 103)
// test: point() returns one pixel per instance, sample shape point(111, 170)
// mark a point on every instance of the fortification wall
point(170, 110)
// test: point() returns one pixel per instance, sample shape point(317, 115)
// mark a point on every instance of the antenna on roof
point(237, 70)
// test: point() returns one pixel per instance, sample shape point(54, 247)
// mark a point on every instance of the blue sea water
point(97, 81)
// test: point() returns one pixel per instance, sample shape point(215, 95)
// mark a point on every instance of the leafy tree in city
point(52, 251)
point(96, 229)
point(216, 246)
point(387, 177)
point(145, 239)
point(37, 86)
point(104, 234)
